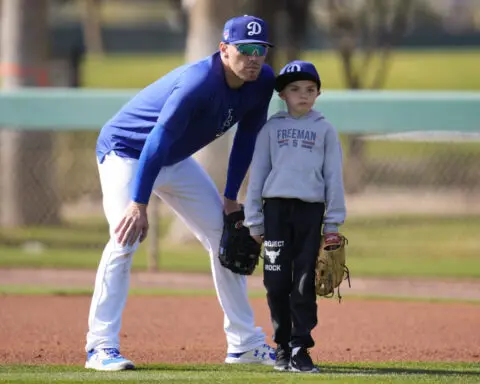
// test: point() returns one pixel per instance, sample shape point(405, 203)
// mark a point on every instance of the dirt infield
point(51, 330)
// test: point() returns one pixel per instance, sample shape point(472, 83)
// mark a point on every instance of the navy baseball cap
point(246, 29)
point(294, 71)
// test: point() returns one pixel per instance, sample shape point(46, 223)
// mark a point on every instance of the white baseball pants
point(191, 193)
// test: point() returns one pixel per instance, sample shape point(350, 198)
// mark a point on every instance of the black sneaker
point(282, 358)
point(301, 361)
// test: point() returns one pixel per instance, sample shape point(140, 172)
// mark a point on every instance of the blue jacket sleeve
point(244, 145)
point(171, 123)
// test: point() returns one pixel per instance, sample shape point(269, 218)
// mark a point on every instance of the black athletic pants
point(292, 242)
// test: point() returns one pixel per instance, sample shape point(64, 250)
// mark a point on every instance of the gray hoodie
point(296, 158)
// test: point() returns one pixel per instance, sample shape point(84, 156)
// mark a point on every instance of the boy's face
point(300, 96)
point(245, 60)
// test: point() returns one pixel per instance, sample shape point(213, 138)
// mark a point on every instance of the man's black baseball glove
point(238, 251)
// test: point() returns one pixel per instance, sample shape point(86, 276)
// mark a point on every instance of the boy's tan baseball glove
point(331, 267)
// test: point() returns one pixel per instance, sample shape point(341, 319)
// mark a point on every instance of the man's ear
point(281, 94)
point(223, 48)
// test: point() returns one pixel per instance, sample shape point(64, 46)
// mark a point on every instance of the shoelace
point(112, 353)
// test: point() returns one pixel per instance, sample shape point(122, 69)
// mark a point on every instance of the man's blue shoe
point(107, 359)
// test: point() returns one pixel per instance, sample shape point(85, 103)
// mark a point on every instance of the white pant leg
point(113, 273)
point(191, 193)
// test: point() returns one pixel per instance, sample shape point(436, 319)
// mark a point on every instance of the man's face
point(245, 60)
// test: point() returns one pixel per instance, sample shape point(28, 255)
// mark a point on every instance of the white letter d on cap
point(254, 28)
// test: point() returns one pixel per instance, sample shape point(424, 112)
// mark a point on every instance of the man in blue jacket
point(148, 146)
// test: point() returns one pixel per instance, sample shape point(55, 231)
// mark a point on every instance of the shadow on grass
point(332, 369)
point(328, 370)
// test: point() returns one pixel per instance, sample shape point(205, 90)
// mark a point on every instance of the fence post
point(153, 251)
point(355, 164)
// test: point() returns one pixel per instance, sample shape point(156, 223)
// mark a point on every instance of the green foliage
point(409, 69)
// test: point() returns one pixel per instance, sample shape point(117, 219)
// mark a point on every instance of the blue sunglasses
point(252, 49)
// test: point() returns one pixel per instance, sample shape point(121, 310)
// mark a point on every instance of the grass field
point(409, 69)
point(401, 246)
point(331, 373)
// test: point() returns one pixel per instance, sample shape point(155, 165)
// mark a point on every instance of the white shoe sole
point(314, 370)
point(239, 360)
point(128, 365)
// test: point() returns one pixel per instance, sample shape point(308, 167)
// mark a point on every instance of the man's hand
point(258, 238)
point(134, 224)
point(230, 206)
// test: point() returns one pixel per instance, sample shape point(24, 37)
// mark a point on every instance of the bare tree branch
point(370, 36)
point(343, 30)
point(392, 34)
point(371, 31)
point(367, 33)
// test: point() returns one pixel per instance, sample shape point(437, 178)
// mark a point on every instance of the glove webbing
point(347, 277)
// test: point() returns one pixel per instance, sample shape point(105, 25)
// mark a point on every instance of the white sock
point(295, 350)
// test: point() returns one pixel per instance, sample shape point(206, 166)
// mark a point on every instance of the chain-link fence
point(55, 179)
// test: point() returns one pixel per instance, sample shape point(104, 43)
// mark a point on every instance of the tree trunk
point(268, 11)
point(206, 21)
point(92, 26)
point(298, 19)
point(28, 196)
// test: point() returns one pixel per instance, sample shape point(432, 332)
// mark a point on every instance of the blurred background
point(401, 81)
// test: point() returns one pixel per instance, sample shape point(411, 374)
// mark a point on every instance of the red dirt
point(51, 330)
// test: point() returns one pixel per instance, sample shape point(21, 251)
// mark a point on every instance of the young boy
point(295, 187)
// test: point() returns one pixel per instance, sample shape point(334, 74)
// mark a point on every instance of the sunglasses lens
point(252, 49)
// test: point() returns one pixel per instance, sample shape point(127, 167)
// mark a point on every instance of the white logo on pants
point(254, 28)
point(272, 255)
point(272, 268)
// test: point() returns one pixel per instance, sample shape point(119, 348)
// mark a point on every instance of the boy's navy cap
point(294, 71)
point(246, 29)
